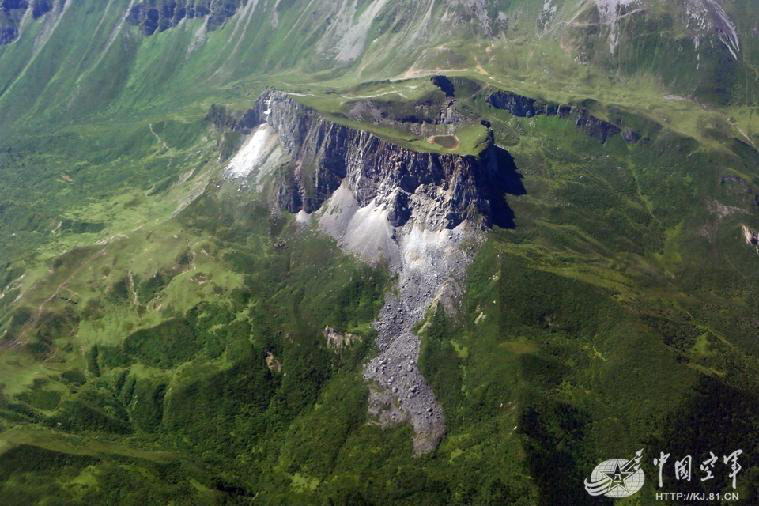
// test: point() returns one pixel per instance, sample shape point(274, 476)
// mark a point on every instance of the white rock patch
point(611, 13)
point(349, 35)
point(337, 211)
point(364, 231)
point(418, 244)
point(430, 264)
point(707, 17)
point(252, 153)
point(370, 234)
point(303, 218)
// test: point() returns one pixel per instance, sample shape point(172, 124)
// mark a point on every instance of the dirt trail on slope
point(41, 308)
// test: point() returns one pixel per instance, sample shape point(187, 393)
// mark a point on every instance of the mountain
point(136, 55)
point(371, 251)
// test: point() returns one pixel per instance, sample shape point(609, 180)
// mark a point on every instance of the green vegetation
point(161, 330)
point(166, 338)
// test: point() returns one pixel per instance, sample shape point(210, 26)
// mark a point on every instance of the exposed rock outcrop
point(337, 340)
point(751, 237)
point(445, 85)
point(421, 214)
point(432, 115)
point(546, 15)
point(527, 107)
point(273, 363)
point(12, 13)
point(522, 106)
point(160, 15)
point(708, 19)
point(597, 128)
point(424, 119)
point(456, 187)
point(41, 7)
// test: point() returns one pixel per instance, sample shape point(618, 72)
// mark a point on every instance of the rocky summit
point(388, 204)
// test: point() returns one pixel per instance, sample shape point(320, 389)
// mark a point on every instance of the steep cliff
point(453, 188)
point(597, 128)
point(159, 16)
point(385, 203)
point(14, 12)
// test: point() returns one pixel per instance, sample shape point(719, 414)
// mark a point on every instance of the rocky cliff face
point(161, 15)
point(419, 213)
point(424, 120)
point(455, 188)
point(522, 106)
point(751, 237)
point(431, 115)
point(13, 12)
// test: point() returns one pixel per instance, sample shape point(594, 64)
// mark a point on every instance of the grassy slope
point(604, 282)
point(604, 305)
point(198, 417)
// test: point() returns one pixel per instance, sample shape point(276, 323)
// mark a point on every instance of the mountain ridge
point(390, 206)
point(253, 43)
